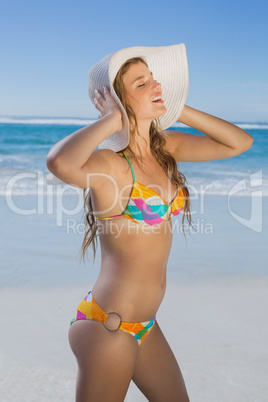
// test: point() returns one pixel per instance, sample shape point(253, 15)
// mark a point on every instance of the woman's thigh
point(106, 361)
point(157, 373)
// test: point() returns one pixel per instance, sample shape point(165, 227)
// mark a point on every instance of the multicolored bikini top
point(147, 207)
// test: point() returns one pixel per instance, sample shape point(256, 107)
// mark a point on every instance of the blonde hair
point(157, 146)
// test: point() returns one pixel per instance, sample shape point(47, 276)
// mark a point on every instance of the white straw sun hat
point(169, 67)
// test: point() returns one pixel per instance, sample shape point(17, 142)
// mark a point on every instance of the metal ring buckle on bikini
point(113, 330)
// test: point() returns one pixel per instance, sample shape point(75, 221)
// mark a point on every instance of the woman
point(114, 335)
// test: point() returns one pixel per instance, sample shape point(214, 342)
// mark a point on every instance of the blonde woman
point(134, 190)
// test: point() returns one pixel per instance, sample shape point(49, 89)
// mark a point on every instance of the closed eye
point(143, 85)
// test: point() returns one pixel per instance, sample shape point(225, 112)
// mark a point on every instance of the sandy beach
point(216, 295)
point(219, 338)
point(214, 313)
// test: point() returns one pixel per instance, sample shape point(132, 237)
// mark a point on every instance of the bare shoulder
point(173, 138)
point(101, 158)
point(96, 171)
point(100, 166)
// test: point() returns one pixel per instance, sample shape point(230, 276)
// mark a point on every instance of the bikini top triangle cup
point(147, 207)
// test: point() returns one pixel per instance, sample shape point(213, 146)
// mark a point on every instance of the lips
point(157, 95)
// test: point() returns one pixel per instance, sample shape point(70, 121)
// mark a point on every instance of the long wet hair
point(157, 145)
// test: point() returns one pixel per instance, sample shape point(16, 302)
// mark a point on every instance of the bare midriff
point(132, 279)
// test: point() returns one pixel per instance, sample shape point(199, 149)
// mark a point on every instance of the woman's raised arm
point(222, 139)
point(72, 159)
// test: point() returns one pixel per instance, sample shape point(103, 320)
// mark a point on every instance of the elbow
point(246, 147)
point(49, 163)
point(249, 142)
point(52, 164)
point(50, 159)
point(57, 167)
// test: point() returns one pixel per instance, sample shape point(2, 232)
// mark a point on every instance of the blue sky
point(49, 47)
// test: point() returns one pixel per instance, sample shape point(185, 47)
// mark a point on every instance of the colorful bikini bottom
point(89, 309)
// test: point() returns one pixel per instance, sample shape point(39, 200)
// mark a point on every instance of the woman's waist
point(132, 249)
point(135, 261)
point(143, 274)
point(134, 301)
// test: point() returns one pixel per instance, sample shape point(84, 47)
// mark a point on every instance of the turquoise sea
point(25, 142)
point(41, 234)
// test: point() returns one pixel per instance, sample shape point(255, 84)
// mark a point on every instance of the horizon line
point(96, 118)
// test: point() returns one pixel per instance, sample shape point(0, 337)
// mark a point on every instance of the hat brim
point(169, 66)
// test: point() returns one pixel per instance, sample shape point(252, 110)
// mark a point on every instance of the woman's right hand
point(106, 104)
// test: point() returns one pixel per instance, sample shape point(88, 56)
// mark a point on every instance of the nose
point(157, 84)
point(156, 87)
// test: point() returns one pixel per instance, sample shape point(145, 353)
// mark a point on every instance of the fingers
point(100, 101)
point(96, 102)
point(98, 93)
point(98, 98)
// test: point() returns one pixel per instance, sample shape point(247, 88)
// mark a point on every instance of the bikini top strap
point(133, 175)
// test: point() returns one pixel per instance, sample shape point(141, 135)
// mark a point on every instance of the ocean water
point(25, 142)
point(41, 236)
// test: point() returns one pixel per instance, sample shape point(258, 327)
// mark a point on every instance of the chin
point(161, 114)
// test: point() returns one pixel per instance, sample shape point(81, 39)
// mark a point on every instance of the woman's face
point(141, 92)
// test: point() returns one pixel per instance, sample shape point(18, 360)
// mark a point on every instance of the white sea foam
point(21, 175)
point(46, 120)
point(84, 121)
point(255, 126)
point(44, 186)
